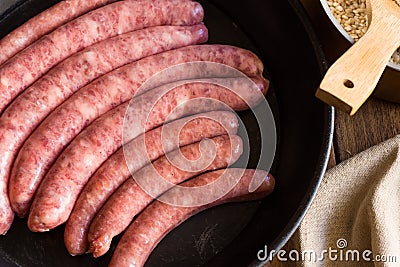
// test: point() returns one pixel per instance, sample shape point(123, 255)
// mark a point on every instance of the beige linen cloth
point(358, 203)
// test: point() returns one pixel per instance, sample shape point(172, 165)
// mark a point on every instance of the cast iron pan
point(230, 235)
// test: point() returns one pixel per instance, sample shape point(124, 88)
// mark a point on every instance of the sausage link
point(64, 181)
point(44, 23)
point(103, 23)
point(63, 124)
point(29, 109)
point(115, 170)
point(159, 218)
point(116, 214)
point(6, 213)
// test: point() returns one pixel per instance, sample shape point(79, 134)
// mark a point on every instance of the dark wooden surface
point(374, 123)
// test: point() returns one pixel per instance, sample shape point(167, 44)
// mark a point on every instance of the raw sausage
point(90, 102)
point(44, 23)
point(27, 66)
point(6, 213)
point(159, 218)
point(115, 171)
point(130, 198)
point(60, 188)
point(63, 124)
point(29, 109)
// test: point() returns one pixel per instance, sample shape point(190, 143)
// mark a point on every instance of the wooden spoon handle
point(353, 77)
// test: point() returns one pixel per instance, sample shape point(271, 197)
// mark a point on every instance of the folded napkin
point(356, 211)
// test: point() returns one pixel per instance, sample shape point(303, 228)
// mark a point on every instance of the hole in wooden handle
point(349, 84)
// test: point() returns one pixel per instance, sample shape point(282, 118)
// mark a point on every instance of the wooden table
point(374, 123)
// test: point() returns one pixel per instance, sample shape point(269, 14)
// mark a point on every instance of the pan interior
point(229, 235)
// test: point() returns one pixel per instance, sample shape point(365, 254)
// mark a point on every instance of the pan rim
point(324, 155)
